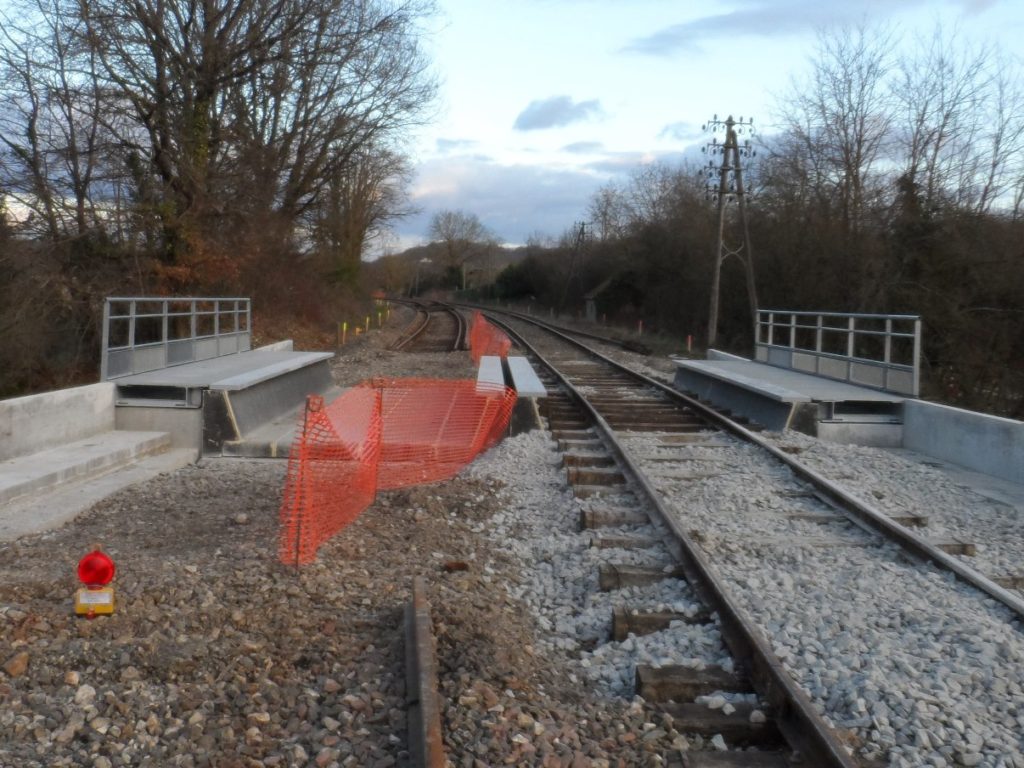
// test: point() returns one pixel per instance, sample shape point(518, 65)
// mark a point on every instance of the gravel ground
point(219, 656)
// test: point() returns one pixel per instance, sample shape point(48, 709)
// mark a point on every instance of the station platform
point(781, 398)
point(243, 404)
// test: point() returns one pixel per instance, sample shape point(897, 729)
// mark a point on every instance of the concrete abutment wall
point(977, 441)
point(36, 422)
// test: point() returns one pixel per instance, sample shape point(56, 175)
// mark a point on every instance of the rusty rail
point(426, 745)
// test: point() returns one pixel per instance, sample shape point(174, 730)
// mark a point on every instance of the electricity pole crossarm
point(730, 170)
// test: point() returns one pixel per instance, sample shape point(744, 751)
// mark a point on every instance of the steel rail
point(861, 512)
point(626, 344)
point(423, 316)
point(462, 329)
point(803, 728)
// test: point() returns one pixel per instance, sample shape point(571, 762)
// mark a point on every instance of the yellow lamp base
point(94, 602)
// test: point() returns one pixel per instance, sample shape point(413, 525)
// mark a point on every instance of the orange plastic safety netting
point(432, 428)
point(485, 339)
point(383, 433)
point(332, 472)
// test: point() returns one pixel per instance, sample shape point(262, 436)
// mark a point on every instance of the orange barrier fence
point(332, 472)
point(485, 339)
point(432, 428)
point(384, 433)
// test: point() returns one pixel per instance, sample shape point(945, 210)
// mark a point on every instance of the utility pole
point(577, 249)
point(729, 176)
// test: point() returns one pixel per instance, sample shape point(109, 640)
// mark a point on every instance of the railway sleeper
point(955, 547)
point(596, 459)
point(557, 403)
point(626, 622)
point(735, 728)
point(566, 410)
point(677, 683)
point(612, 576)
point(565, 413)
point(1010, 582)
point(645, 416)
point(639, 425)
point(684, 459)
point(595, 476)
point(573, 434)
point(568, 425)
point(611, 517)
point(625, 405)
point(910, 521)
point(703, 439)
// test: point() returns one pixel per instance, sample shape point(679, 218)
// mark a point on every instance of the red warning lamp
point(95, 570)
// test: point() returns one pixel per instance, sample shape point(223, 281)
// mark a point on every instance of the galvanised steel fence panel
point(870, 350)
point(142, 333)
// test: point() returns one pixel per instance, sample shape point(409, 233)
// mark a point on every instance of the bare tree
point(51, 133)
point(841, 117)
point(608, 211)
point(939, 95)
point(463, 239)
point(362, 198)
point(248, 109)
point(1003, 135)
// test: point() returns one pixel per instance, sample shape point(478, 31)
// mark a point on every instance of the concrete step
point(77, 460)
point(51, 508)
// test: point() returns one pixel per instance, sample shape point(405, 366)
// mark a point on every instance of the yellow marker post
point(344, 332)
point(367, 323)
point(379, 315)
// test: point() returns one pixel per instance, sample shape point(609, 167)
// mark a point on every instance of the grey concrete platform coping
point(228, 373)
point(490, 371)
point(79, 459)
point(525, 379)
point(785, 385)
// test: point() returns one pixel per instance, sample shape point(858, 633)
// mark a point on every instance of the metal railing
point(149, 333)
point(877, 351)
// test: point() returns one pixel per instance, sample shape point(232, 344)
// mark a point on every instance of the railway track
point(436, 328)
point(640, 454)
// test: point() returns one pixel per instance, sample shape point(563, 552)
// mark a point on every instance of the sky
point(544, 101)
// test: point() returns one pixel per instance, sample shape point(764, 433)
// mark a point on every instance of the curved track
point(436, 328)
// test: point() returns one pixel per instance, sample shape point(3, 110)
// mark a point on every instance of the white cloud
point(555, 112)
point(512, 200)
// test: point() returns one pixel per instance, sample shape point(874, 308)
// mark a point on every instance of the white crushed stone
point(909, 484)
point(539, 525)
point(920, 667)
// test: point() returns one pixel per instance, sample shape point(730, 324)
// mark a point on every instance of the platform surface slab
point(786, 385)
point(230, 372)
point(525, 379)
